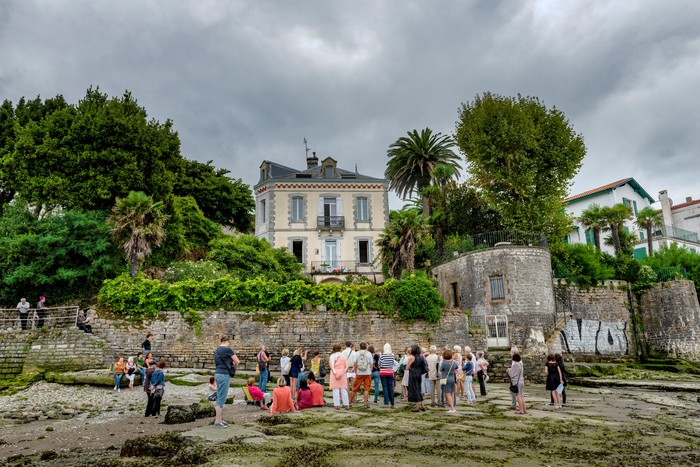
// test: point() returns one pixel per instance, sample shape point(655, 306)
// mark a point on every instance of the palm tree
point(413, 160)
point(647, 219)
point(400, 239)
point(591, 218)
point(615, 216)
point(137, 222)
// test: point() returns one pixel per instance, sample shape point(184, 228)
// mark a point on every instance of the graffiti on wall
point(598, 337)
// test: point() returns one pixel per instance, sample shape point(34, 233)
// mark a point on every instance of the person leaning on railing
point(23, 309)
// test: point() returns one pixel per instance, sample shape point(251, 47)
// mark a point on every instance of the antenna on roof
point(306, 147)
point(355, 167)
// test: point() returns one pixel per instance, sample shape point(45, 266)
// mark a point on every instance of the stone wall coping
point(539, 249)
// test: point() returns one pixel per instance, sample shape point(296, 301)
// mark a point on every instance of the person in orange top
point(119, 369)
point(282, 398)
point(316, 391)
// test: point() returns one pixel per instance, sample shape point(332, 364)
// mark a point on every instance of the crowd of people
point(444, 377)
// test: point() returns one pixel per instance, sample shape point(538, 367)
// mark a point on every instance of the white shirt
point(23, 307)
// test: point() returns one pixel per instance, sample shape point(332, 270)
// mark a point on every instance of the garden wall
point(671, 317)
point(177, 342)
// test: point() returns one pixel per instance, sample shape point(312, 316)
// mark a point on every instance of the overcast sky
point(247, 81)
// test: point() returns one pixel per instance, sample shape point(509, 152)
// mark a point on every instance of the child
point(304, 396)
point(468, 370)
point(257, 394)
point(212, 389)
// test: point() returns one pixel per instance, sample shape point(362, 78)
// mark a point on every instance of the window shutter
point(634, 204)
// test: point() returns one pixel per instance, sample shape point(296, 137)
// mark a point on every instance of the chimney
point(688, 199)
point(666, 204)
point(312, 161)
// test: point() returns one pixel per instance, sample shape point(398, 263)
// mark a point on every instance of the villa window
point(263, 212)
point(498, 291)
point(363, 251)
point(297, 209)
point(298, 250)
point(362, 209)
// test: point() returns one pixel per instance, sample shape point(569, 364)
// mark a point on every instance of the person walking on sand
point(225, 360)
point(517, 382)
point(554, 378)
point(23, 310)
point(338, 365)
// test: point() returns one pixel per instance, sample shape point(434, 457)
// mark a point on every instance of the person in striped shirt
point(387, 363)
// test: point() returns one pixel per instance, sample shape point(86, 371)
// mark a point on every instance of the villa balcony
point(341, 267)
point(330, 222)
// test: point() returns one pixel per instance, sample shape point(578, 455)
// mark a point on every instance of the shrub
point(195, 270)
point(416, 297)
point(579, 264)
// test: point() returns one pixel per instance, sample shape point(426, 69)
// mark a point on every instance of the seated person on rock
point(316, 391)
point(82, 322)
point(256, 393)
point(282, 398)
point(304, 396)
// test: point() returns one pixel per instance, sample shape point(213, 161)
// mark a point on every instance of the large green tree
point(522, 156)
point(86, 155)
point(648, 219)
point(413, 160)
point(137, 224)
point(221, 198)
point(400, 240)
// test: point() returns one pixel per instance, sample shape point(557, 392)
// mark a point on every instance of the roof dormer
point(329, 168)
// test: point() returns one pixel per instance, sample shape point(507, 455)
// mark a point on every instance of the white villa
point(328, 217)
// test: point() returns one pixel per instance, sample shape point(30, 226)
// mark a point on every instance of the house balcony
point(675, 233)
point(330, 222)
point(341, 267)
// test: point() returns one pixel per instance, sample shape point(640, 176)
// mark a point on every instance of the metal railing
point(509, 237)
point(54, 317)
point(340, 267)
point(675, 232)
point(330, 222)
point(670, 274)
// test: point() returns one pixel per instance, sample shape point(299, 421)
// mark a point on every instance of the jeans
point(264, 377)
point(222, 384)
point(388, 389)
point(118, 380)
point(142, 372)
point(482, 383)
point(375, 380)
point(470, 388)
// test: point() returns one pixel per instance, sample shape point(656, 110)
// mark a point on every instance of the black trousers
point(40, 318)
point(153, 405)
point(482, 384)
point(562, 397)
point(23, 320)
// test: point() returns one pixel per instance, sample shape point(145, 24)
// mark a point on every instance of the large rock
point(188, 413)
point(177, 449)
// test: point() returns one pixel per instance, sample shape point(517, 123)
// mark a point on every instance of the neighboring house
point(681, 223)
point(626, 191)
point(329, 218)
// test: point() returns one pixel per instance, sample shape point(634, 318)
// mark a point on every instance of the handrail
point(54, 317)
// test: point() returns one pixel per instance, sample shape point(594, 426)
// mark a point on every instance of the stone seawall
point(671, 317)
point(52, 350)
point(176, 341)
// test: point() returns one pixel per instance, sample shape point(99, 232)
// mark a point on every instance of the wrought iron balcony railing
point(331, 222)
point(341, 267)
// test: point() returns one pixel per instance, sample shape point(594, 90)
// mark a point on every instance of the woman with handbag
point(225, 361)
point(130, 372)
point(156, 389)
point(517, 382)
point(386, 374)
point(447, 379)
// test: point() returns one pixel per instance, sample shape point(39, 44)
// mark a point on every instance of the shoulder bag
point(443, 381)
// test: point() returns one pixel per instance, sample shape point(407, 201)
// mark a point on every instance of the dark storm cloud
point(246, 81)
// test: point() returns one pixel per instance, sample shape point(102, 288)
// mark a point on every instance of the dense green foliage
point(522, 157)
point(62, 256)
point(246, 256)
point(180, 271)
point(579, 264)
point(675, 257)
point(412, 298)
point(400, 240)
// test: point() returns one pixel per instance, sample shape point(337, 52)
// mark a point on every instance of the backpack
point(363, 362)
point(424, 365)
point(322, 370)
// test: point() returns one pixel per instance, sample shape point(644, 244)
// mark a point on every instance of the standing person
point(513, 399)
point(362, 367)
point(517, 382)
point(447, 375)
point(554, 378)
point(146, 344)
point(263, 365)
point(146, 387)
point(338, 365)
point(157, 387)
point(297, 367)
point(349, 354)
point(415, 367)
point(481, 365)
point(23, 310)
point(404, 375)
point(468, 370)
point(225, 361)
point(375, 372)
point(41, 312)
point(386, 374)
point(457, 358)
point(282, 398)
point(118, 369)
point(285, 365)
point(560, 363)
point(468, 350)
point(433, 362)
point(141, 366)
point(131, 372)
point(316, 363)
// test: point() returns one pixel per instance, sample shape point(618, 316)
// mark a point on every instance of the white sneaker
point(119, 390)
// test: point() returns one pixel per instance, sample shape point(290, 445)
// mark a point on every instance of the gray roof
point(282, 172)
